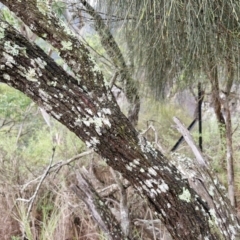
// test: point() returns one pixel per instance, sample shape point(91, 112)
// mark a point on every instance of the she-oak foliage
point(83, 103)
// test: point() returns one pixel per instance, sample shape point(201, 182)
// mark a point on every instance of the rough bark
point(115, 54)
point(87, 107)
point(200, 177)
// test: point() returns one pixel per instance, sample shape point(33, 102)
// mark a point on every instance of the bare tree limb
point(124, 211)
point(188, 138)
point(100, 212)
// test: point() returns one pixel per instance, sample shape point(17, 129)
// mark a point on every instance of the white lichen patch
point(93, 142)
point(98, 122)
point(102, 98)
point(156, 167)
point(215, 181)
point(132, 164)
point(163, 213)
point(40, 62)
point(9, 60)
point(89, 111)
point(213, 216)
point(211, 190)
point(186, 195)
point(43, 95)
point(33, 28)
point(136, 161)
point(153, 193)
point(152, 171)
point(129, 168)
point(110, 96)
point(168, 205)
point(107, 111)
point(66, 45)
point(148, 183)
point(142, 170)
point(146, 146)
point(57, 115)
point(163, 187)
point(145, 188)
point(232, 229)
point(6, 77)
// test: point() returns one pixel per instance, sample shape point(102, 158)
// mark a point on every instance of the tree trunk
point(217, 104)
point(229, 149)
point(87, 107)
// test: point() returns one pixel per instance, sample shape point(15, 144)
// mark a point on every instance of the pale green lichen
point(12, 49)
point(186, 195)
point(2, 29)
point(54, 84)
point(31, 75)
point(65, 27)
point(2, 33)
point(43, 6)
point(66, 45)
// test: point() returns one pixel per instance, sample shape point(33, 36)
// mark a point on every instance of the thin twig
point(58, 165)
point(40, 183)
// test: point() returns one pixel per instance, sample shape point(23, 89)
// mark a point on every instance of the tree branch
point(114, 52)
point(100, 212)
point(84, 105)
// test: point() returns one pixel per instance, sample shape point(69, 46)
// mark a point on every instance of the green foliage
point(99, 55)
point(172, 38)
point(26, 134)
point(12, 103)
point(9, 17)
point(22, 218)
point(15, 238)
point(59, 8)
point(161, 116)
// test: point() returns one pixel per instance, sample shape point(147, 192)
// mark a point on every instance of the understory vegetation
point(161, 61)
point(30, 144)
